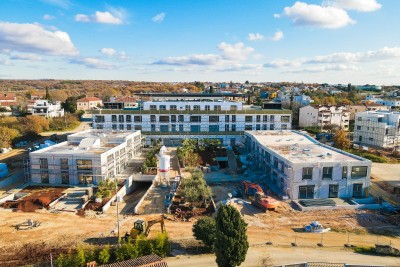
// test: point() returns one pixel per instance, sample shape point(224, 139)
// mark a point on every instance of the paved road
point(287, 256)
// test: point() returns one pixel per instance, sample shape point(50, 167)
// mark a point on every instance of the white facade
point(87, 157)
point(43, 107)
point(324, 115)
point(299, 167)
point(377, 128)
point(174, 120)
point(385, 102)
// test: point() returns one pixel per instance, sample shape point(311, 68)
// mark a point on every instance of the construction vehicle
point(142, 227)
point(258, 198)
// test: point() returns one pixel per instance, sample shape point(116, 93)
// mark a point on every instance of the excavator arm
point(159, 220)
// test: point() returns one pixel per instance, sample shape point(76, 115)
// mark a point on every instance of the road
point(281, 255)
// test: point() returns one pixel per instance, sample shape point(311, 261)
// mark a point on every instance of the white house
point(299, 167)
point(87, 157)
point(43, 107)
point(324, 115)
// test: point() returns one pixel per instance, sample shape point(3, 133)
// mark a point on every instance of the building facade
point(87, 157)
point(299, 167)
point(353, 109)
point(377, 128)
point(175, 119)
point(88, 103)
point(324, 115)
point(43, 107)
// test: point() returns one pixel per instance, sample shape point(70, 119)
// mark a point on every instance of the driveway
point(386, 172)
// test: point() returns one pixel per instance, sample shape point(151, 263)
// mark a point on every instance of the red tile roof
point(88, 99)
point(145, 261)
point(7, 96)
point(8, 104)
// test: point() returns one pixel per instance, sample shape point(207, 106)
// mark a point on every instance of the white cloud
point(277, 36)
point(282, 63)
point(59, 3)
point(5, 62)
point(33, 38)
point(236, 51)
point(255, 36)
point(30, 57)
point(358, 5)
point(48, 17)
point(277, 16)
point(241, 67)
point(122, 55)
point(195, 59)
point(159, 17)
point(303, 14)
point(100, 17)
point(92, 63)
point(108, 51)
point(328, 68)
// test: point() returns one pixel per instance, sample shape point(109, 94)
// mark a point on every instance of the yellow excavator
point(141, 227)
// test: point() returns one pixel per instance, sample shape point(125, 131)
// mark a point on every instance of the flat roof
point(96, 133)
point(68, 148)
point(227, 94)
point(301, 148)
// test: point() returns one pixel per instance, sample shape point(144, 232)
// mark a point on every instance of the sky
point(332, 41)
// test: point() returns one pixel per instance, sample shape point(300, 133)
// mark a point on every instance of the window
point(306, 191)
point(128, 118)
point(173, 118)
point(359, 118)
point(194, 128)
point(181, 128)
point(44, 176)
point(284, 126)
point(85, 178)
point(272, 118)
point(233, 127)
point(226, 118)
point(359, 172)
point(164, 118)
point(248, 118)
point(153, 127)
point(226, 127)
point(196, 107)
point(333, 190)
point(121, 118)
point(307, 173)
point(114, 118)
point(248, 127)
point(233, 107)
point(172, 107)
point(327, 173)
point(187, 107)
point(164, 128)
point(265, 117)
point(64, 177)
point(138, 127)
point(265, 127)
point(258, 118)
point(153, 118)
point(344, 172)
point(137, 118)
point(213, 118)
point(163, 107)
point(371, 139)
point(129, 127)
point(180, 118)
point(173, 128)
point(217, 108)
point(272, 127)
point(153, 107)
point(207, 107)
point(114, 127)
point(121, 126)
point(44, 164)
point(195, 118)
point(84, 164)
point(213, 128)
point(276, 163)
point(357, 190)
point(358, 127)
point(99, 118)
point(64, 164)
point(285, 118)
point(258, 127)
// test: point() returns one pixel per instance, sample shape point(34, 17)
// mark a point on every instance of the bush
point(205, 230)
point(144, 246)
point(161, 245)
point(104, 255)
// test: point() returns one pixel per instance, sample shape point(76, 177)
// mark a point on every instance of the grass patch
point(364, 249)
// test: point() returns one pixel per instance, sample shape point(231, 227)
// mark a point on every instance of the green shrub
point(104, 255)
point(161, 245)
point(364, 249)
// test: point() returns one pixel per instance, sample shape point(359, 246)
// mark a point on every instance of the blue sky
point(333, 41)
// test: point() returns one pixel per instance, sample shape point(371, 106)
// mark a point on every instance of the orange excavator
point(255, 193)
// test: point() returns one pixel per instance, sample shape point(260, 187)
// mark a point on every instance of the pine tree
point(231, 240)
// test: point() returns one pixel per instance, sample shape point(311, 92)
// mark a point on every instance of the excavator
point(141, 227)
point(255, 193)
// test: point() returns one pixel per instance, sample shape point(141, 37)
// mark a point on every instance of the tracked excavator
point(255, 193)
point(142, 227)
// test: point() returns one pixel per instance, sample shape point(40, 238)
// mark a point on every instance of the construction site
point(57, 218)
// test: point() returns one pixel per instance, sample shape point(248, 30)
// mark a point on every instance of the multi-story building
point(173, 117)
point(353, 109)
point(43, 107)
point(377, 128)
point(324, 115)
point(124, 102)
point(390, 103)
point(88, 103)
point(299, 167)
point(87, 157)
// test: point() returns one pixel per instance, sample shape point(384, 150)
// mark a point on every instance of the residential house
point(43, 107)
point(367, 106)
point(88, 103)
point(324, 115)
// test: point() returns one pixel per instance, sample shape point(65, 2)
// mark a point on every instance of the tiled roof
point(145, 261)
point(7, 96)
point(88, 99)
point(7, 104)
point(126, 99)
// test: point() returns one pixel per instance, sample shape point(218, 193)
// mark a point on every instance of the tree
point(330, 127)
point(70, 104)
point(104, 255)
point(59, 95)
point(231, 243)
point(33, 124)
point(7, 135)
point(340, 140)
point(205, 230)
point(211, 89)
point(48, 96)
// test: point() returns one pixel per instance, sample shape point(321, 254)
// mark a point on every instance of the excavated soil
point(37, 198)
